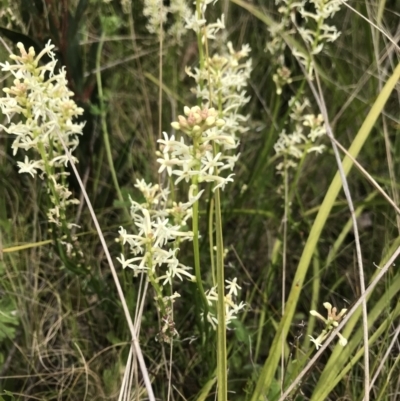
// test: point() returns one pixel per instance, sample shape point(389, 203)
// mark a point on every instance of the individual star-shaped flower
point(331, 322)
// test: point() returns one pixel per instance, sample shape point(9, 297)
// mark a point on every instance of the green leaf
point(8, 320)
point(16, 37)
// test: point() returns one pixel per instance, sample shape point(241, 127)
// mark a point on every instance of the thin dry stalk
point(135, 341)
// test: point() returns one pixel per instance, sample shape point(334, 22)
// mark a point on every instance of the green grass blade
point(271, 364)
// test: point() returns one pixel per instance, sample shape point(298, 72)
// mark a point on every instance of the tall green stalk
point(106, 137)
point(222, 370)
point(196, 247)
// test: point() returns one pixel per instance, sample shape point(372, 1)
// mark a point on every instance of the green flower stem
point(104, 127)
point(98, 171)
point(153, 281)
point(222, 361)
point(316, 287)
point(47, 155)
point(199, 43)
point(260, 164)
point(222, 378)
point(56, 198)
point(211, 240)
point(222, 375)
point(196, 245)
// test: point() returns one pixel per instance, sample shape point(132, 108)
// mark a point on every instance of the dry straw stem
point(135, 341)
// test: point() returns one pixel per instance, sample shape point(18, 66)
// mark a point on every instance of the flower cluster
point(150, 246)
point(220, 85)
point(41, 98)
point(221, 80)
point(156, 12)
point(316, 34)
point(208, 133)
point(322, 32)
point(300, 142)
point(45, 105)
point(154, 232)
point(276, 46)
point(227, 75)
point(200, 26)
point(314, 31)
point(231, 308)
point(197, 161)
point(330, 322)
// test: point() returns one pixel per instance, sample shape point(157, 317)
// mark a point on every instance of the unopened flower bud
point(197, 118)
point(342, 340)
point(182, 121)
point(229, 140)
point(212, 111)
point(204, 114)
point(210, 121)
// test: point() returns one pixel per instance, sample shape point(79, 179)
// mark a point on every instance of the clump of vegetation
point(202, 148)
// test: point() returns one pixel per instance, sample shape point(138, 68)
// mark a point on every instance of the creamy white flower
point(331, 321)
point(30, 166)
point(210, 163)
point(167, 163)
point(176, 269)
point(131, 263)
point(194, 23)
point(316, 341)
point(213, 29)
point(233, 287)
point(232, 309)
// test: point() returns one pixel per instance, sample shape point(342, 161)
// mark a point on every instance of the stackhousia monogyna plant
point(41, 99)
